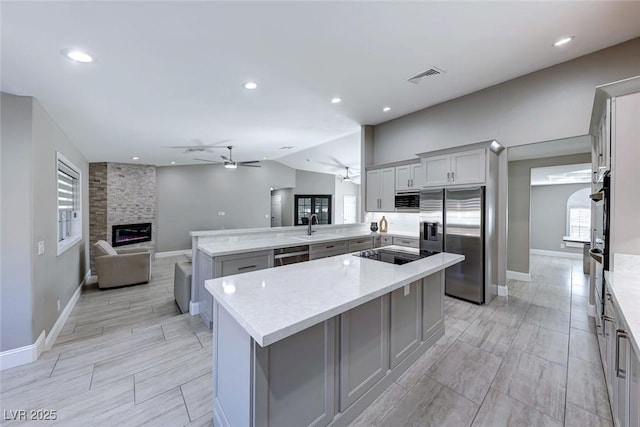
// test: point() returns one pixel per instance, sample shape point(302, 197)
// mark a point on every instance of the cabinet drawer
point(340, 246)
point(326, 254)
point(406, 241)
point(386, 240)
point(360, 244)
point(243, 265)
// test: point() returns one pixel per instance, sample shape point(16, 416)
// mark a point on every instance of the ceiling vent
point(429, 73)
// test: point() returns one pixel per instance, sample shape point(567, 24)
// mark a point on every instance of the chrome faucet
point(309, 230)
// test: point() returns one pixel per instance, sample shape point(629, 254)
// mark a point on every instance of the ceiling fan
point(229, 163)
point(346, 177)
point(200, 147)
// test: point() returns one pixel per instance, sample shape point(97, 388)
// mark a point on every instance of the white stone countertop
point(624, 281)
point(258, 244)
point(275, 303)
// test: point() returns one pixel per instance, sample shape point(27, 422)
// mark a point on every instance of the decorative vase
point(383, 225)
point(374, 226)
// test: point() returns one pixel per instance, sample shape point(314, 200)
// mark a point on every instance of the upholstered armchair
point(121, 267)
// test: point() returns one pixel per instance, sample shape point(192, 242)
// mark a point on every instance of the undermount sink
point(317, 237)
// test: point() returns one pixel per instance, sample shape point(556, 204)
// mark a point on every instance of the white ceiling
point(563, 174)
point(171, 73)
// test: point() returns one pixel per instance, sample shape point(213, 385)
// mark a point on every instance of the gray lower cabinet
point(432, 295)
point(364, 349)
point(386, 240)
point(405, 324)
point(209, 268)
point(279, 373)
point(324, 250)
point(621, 366)
point(360, 244)
point(406, 241)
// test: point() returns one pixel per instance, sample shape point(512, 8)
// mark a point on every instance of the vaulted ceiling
point(172, 73)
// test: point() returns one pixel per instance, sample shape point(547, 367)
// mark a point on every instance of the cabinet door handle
point(408, 183)
point(246, 267)
point(453, 176)
point(620, 373)
point(448, 176)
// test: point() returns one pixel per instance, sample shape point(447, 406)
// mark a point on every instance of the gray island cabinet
point(315, 343)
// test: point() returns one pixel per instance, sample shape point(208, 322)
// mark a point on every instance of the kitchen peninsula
point(315, 343)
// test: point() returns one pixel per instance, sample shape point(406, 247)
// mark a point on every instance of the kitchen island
point(315, 343)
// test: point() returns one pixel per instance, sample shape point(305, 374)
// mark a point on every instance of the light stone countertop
point(625, 284)
point(275, 303)
point(259, 244)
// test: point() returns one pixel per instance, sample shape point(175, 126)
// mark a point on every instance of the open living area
point(319, 213)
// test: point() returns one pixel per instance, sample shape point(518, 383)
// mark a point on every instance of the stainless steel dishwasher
point(290, 255)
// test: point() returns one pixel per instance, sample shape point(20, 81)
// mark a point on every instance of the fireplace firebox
point(128, 234)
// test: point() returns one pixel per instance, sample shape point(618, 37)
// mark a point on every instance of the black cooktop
point(394, 256)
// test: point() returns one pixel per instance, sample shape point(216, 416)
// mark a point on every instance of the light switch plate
point(221, 213)
point(41, 247)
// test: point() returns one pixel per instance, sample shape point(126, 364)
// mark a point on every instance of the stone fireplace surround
point(121, 193)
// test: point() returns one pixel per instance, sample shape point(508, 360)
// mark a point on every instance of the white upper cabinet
point(380, 190)
point(409, 177)
point(466, 167)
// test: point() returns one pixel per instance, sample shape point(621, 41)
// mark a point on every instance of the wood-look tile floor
point(126, 357)
point(530, 359)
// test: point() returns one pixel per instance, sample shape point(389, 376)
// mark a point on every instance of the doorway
point(276, 209)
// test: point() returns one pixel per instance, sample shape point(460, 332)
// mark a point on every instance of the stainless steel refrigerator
point(453, 220)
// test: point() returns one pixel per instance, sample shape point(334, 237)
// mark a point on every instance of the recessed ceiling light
point(173, 163)
point(264, 158)
point(563, 41)
point(135, 158)
point(250, 85)
point(385, 109)
point(77, 55)
point(336, 100)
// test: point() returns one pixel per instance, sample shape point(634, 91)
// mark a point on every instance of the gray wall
point(344, 189)
point(15, 219)
point(519, 206)
point(190, 197)
point(31, 284)
point(549, 215)
point(554, 103)
point(286, 198)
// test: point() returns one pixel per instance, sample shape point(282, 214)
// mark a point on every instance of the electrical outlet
point(58, 305)
point(221, 213)
point(562, 246)
point(41, 247)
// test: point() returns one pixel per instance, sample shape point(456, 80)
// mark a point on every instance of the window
point(579, 215)
point(305, 206)
point(69, 204)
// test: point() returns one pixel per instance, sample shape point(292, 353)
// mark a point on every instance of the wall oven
point(600, 240)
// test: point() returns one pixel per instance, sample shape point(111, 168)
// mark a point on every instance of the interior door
point(276, 210)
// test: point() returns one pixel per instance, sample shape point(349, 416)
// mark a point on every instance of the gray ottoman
point(182, 285)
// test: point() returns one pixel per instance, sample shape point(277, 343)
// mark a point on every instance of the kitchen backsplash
point(402, 223)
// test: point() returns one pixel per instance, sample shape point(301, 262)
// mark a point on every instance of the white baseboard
point(22, 355)
point(172, 253)
point(31, 353)
point(516, 275)
point(62, 319)
point(503, 291)
point(556, 254)
point(591, 310)
point(194, 308)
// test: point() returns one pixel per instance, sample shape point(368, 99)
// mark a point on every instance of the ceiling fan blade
point(248, 166)
point(249, 161)
point(226, 158)
point(209, 161)
point(338, 162)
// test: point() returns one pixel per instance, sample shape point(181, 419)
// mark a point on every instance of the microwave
point(407, 202)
